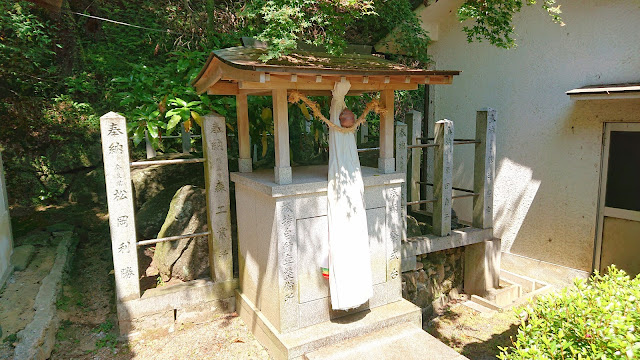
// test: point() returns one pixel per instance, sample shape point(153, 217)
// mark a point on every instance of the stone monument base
point(163, 307)
point(298, 343)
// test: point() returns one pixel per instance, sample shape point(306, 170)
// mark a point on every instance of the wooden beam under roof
point(324, 85)
point(306, 71)
point(304, 83)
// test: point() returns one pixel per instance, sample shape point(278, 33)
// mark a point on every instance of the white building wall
point(548, 146)
point(6, 240)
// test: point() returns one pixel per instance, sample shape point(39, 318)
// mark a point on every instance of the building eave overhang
point(606, 92)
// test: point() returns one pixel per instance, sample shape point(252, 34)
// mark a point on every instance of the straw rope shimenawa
point(373, 105)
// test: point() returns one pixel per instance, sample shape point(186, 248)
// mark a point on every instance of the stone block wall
point(437, 278)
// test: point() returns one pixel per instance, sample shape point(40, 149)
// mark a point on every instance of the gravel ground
point(473, 334)
point(224, 337)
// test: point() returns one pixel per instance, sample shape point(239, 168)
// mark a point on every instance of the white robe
point(350, 281)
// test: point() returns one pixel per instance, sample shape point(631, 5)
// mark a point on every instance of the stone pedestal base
point(482, 267)
point(245, 165)
point(165, 306)
point(386, 166)
point(296, 344)
point(282, 175)
point(398, 342)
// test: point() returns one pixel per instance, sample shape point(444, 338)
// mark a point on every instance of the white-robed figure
point(350, 282)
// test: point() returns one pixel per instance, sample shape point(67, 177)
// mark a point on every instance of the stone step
point(405, 341)
point(295, 344)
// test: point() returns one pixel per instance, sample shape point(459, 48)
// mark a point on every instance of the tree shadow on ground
point(86, 304)
point(473, 335)
point(488, 349)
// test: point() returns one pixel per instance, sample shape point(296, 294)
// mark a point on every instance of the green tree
point(332, 23)
point(283, 24)
point(492, 20)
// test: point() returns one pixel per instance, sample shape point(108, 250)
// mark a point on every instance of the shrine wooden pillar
point(386, 161)
point(244, 141)
point(282, 171)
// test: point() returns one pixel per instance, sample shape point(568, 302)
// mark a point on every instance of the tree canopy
point(332, 23)
point(61, 70)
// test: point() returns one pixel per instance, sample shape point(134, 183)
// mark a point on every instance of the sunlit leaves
point(284, 23)
point(26, 49)
point(492, 20)
point(596, 319)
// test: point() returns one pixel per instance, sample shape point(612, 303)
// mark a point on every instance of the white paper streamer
point(350, 280)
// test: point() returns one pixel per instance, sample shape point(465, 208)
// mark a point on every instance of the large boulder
point(413, 227)
point(151, 180)
point(185, 259)
point(152, 214)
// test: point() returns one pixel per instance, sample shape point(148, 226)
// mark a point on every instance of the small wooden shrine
point(239, 71)
point(282, 215)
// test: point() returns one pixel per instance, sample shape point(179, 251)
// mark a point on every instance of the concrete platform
point(295, 344)
point(399, 342)
point(165, 306)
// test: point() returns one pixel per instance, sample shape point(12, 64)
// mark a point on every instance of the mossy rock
point(149, 181)
point(74, 155)
point(89, 187)
point(60, 227)
point(152, 214)
point(413, 227)
point(185, 259)
point(36, 238)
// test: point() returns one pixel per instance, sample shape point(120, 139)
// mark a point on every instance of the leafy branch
point(493, 19)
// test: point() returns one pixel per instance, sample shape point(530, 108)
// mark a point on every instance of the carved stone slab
point(484, 168)
point(401, 167)
point(115, 152)
point(214, 143)
point(394, 236)
point(287, 265)
point(443, 178)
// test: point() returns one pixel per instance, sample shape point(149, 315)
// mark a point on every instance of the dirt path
point(86, 307)
point(473, 334)
point(18, 296)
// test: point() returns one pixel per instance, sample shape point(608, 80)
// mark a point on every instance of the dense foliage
point(597, 319)
point(333, 23)
point(61, 71)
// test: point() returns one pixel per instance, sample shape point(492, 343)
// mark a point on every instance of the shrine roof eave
point(233, 70)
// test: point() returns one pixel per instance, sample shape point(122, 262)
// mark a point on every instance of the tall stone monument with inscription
point(115, 150)
point(164, 306)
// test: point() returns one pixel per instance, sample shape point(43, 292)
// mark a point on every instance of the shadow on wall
point(511, 207)
point(551, 215)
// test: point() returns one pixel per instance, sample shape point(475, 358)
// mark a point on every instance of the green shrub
point(596, 319)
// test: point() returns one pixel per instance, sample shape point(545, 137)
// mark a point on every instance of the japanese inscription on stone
point(484, 168)
point(288, 223)
point(115, 151)
point(395, 226)
point(217, 184)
